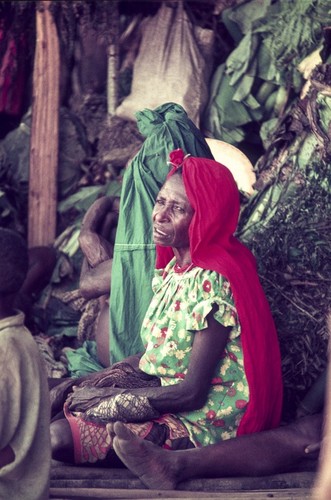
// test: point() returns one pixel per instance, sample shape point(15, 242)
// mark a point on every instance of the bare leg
point(102, 333)
point(61, 441)
point(322, 487)
point(156, 468)
point(264, 453)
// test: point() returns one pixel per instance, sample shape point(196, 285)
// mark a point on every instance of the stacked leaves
point(261, 75)
point(287, 226)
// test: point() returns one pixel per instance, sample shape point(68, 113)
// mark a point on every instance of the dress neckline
point(182, 269)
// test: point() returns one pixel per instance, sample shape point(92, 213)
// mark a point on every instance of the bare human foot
point(154, 466)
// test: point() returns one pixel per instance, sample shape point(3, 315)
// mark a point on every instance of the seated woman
point(211, 367)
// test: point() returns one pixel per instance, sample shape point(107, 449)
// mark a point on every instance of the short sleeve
point(208, 289)
point(157, 279)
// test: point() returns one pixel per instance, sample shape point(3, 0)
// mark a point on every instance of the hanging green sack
point(166, 128)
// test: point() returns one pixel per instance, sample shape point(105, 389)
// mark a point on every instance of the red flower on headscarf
point(176, 157)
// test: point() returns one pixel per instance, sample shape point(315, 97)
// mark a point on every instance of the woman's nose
point(161, 213)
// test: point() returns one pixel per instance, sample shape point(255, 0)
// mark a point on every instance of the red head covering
point(214, 196)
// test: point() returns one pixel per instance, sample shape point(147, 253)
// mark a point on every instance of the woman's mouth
point(159, 234)
point(158, 231)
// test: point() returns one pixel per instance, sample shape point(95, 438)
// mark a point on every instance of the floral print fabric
point(178, 309)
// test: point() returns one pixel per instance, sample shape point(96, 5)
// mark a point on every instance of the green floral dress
point(178, 309)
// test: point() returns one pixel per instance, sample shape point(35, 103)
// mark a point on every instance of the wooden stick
point(44, 130)
point(112, 494)
point(112, 70)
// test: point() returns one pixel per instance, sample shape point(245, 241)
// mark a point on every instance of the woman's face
point(172, 215)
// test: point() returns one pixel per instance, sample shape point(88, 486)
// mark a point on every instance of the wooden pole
point(113, 55)
point(44, 130)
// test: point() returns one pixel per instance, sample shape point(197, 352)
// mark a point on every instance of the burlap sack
point(173, 65)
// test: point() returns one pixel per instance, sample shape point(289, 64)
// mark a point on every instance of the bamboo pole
point(44, 130)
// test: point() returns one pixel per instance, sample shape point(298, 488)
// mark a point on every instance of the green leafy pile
point(287, 226)
point(260, 77)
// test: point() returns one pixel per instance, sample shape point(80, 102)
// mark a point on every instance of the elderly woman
point(211, 367)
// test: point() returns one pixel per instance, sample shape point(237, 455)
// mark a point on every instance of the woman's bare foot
point(155, 467)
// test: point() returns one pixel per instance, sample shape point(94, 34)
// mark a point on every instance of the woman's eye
point(179, 209)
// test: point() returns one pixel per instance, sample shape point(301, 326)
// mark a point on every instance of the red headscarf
point(214, 196)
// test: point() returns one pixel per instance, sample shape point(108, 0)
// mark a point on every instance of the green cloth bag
point(166, 128)
point(83, 360)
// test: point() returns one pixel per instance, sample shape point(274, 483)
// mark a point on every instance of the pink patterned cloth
point(92, 442)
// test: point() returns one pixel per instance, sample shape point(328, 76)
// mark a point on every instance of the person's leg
point(322, 486)
point(61, 441)
point(102, 334)
point(63, 447)
point(264, 453)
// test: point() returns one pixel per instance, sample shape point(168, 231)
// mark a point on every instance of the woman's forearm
point(165, 399)
point(171, 399)
point(191, 393)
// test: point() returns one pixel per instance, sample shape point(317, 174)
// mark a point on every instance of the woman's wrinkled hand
point(85, 397)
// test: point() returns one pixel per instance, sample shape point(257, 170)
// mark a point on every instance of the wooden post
point(112, 70)
point(44, 130)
